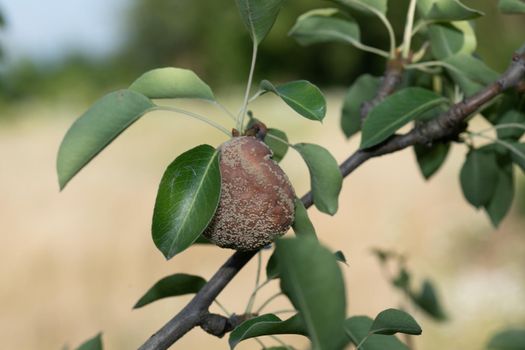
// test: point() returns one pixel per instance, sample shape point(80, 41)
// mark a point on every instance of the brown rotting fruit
point(257, 199)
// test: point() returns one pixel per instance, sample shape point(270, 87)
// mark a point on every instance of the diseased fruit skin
point(257, 199)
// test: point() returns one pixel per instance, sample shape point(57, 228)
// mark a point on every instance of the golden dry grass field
point(74, 263)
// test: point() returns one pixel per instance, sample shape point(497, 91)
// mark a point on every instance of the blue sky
point(48, 29)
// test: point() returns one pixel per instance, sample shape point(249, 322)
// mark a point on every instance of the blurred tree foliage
point(207, 36)
point(2, 25)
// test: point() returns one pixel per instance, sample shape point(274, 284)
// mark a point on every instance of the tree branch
point(390, 82)
point(445, 126)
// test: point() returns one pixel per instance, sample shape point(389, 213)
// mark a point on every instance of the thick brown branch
point(445, 126)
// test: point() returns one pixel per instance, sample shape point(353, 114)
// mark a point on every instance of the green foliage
point(94, 343)
point(446, 40)
point(470, 73)
point(259, 16)
point(172, 83)
point(171, 286)
point(96, 128)
point(357, 329)
point(367, 6)
point(362, 90)
point(274, 139)
point(431, 158)
point(396, 111)
point(272, 269)
point(425, 298)
point(509, 339)
point(511, 118)
point(340, 256)
point(512, 6)
point(272, 266)
point(428, 301)
point(325, 25)
point(478, 177)
point(449, 39)
point(501, 201)
point(302, 226)
point(326, 179)
point(302, 96)
point(518, 156)
point(268, 324)
point(447, 10)
point(392, 321)
point(187, 198)
point(309, 272)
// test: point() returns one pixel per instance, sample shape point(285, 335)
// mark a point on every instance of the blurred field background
point(74, 263)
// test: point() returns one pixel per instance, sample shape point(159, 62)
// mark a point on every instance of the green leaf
point(428, 301)
point(202, 240)
point(383, 255)
point(302, 96)
point(501, 201)
point(187, 198)
point(302, 226)
point(171, 286)
point(268, 324)
point(309, 274)
point(396, 111)
point(340, 256)
point(506, 102)
point(96, 128)
point(512, 6)
point(509, 339)
point(470, 73)
point(272, 270)
point(478, 177)
point(365, 6)
point(430, 159)
point(278, 147)
point(447, 10)
point(325, 177)
point(259, 16)
point(172, 83)
point(448, 39)
point(402, 280)
point(325, 25)
point(392, 321)
point(357, 328)
point(518, 154)
point(94, 343)
point(364, 89)
point(511, 116)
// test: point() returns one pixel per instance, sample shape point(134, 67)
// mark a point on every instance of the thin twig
point(268, 301)
point(408, 29)
point(242, 112)
point(257, 280)
point(224, 109)
point(195, 116)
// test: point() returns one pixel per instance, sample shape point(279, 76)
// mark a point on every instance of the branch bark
point(445, 126)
